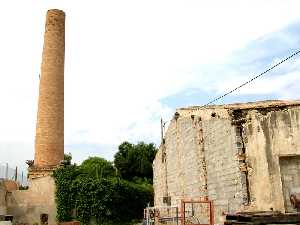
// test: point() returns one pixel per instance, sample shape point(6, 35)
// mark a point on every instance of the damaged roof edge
point(248, 105)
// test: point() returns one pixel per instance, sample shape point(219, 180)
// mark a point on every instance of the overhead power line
point(247, 82)
point(252, 79)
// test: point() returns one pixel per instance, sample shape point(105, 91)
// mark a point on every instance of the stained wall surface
point(229, 154)
point(3, 210)
point(290, 177)
point(27, 205)
point(271, 136)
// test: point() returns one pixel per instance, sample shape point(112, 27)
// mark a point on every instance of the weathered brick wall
point(224, 178)
point(180, 176)
point(159, 177)
point(49, 143)
point(271, 134)
point(200, 162)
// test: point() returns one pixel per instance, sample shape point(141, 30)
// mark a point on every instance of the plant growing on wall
point(93, 193)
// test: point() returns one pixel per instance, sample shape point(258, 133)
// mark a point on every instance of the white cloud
point(282, 81)
point(122, 57)
point(280, 85)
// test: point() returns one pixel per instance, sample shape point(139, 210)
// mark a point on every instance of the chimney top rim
point(56, 11)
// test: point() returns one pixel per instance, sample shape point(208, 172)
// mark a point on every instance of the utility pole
point(162, 130)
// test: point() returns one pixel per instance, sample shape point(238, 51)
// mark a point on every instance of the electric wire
point(252, 79)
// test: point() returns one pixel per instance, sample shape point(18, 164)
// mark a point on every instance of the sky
point(129, 63)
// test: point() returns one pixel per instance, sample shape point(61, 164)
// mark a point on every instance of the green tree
point(134, 162)
point(97, 167)
point(68, 158)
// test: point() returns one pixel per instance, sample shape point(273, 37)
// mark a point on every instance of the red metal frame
point(205, 201)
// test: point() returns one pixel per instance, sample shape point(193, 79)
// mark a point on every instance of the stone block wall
point(159, 177)
point(179, 174)
point(224, 178)
point(231, 154)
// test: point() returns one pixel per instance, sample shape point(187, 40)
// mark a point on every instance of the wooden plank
point(231, 217)
point(238, 223)
point(264, 218)
point(282, 219)
point(259, 212)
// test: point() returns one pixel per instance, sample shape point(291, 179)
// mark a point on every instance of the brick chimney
point(49, 141)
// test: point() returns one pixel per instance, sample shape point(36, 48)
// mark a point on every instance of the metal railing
point(168, 215)
point(190, 212)
point(197, 212)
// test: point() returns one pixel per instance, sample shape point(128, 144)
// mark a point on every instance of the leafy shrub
point(98, 199)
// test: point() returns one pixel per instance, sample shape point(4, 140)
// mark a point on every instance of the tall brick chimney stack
point(49, 141)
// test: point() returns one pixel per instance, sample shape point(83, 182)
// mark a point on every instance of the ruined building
point(29, 206)
point(243, 157)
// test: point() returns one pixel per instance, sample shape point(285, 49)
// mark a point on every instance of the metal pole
point(16, 173)
point(147, 215)
point(182, 213)
point(161, 130)
point(6, 171)
point(212, 221)
point(177, 215)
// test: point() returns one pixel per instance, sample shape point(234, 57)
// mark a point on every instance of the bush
point(106, 200)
